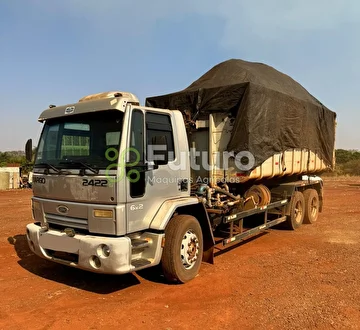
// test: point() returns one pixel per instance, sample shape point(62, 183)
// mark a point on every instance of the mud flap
point(208, 255)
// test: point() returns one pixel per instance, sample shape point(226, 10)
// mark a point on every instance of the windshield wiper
point(78, 163)
point(51, 166)
point(48, 166)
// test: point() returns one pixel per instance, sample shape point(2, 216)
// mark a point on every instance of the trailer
point(119, 187)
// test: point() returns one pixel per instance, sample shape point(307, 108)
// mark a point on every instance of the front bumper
point(84, 250)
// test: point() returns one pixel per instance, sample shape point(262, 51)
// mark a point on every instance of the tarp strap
point(283, 166)
point(198, 103)
point(308, 161)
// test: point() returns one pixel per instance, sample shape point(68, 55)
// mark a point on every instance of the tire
point(311, 206)
point(179, 264)
point(297, 210)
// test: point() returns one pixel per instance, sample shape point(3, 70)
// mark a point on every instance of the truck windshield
point(88, 140)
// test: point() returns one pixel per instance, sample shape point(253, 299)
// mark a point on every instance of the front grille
point(62, 221)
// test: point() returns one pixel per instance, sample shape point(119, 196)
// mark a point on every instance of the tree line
point(344, 156)
point(347, 162)
point(15, 157)
point(12, 157)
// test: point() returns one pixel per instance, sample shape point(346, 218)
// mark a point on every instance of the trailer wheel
point(297, 209)
point(311, 206)
point(183, 250)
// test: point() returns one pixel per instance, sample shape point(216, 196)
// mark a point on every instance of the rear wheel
point(297, 209)
point(311, 206)
point(183, 250)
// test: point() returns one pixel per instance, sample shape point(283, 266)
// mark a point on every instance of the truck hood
point(91, 189)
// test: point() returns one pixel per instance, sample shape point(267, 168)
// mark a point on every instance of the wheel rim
point(298, 211)
point(314, 208)
point(189, 251)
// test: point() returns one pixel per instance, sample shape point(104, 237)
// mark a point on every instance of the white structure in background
point(30, 177)
point(9, 177)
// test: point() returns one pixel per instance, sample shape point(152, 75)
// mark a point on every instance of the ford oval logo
point(62, 209)
point(69, 110)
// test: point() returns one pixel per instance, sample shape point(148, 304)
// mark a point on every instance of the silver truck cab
point(101, 197)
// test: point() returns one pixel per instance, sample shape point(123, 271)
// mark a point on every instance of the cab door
point(150, 181)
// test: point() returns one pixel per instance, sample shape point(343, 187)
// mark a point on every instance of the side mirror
point(28, 150)
point(160, 150)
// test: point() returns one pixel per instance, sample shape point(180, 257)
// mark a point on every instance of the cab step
point(140, 262)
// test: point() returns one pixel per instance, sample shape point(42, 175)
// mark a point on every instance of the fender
point(190, 206)
point(167, 209)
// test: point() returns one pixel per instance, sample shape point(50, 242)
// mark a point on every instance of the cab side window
point(159, 125)
point(137, 137)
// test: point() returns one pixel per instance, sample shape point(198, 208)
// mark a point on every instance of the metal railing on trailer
point(253, 231)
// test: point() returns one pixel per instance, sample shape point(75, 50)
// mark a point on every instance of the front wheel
point(183, 249)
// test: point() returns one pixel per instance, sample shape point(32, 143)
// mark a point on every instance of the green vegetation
point(12, 157)
point(16, 157)
point(345, 156)
point(347, 162)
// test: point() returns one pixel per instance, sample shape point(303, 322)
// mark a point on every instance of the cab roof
point(113, 100)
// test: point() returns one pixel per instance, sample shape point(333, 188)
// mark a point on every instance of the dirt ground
point(304, 279)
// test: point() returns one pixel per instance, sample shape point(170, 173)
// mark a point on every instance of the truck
point(119, 187)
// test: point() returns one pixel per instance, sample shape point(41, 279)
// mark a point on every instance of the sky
point(55, 52)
